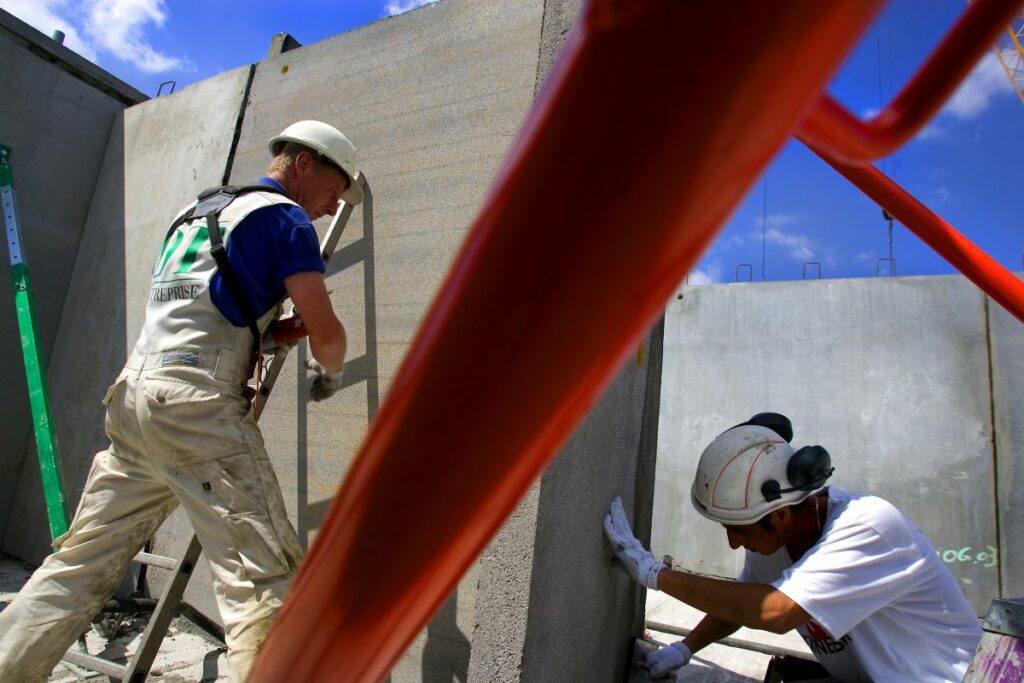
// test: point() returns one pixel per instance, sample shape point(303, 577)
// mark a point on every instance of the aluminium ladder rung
point(138, 668)
point(155, 560)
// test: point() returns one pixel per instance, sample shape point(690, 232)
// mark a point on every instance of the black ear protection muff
point(779, 424)
point(808, 469)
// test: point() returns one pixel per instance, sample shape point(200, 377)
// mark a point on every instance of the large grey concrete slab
point(88, 351)
point(551, 603)
point(891, 375)
point(432, 98)
point(1007, 342)
point(159, 155)
point(57, 117)
point(583, 626)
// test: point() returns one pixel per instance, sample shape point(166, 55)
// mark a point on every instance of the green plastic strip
point(35, 370)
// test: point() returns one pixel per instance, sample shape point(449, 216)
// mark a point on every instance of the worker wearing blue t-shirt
point(179, 418)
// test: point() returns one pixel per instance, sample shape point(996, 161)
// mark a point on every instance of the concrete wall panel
point(88, 349)
point(584, 608)
point(891, 375)
point(432, 99)
point(57, 118)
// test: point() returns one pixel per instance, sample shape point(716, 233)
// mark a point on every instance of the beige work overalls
point(181, 433)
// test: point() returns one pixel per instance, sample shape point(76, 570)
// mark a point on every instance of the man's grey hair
point(289, 151)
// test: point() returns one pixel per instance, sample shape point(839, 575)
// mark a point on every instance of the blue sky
point(964, 165)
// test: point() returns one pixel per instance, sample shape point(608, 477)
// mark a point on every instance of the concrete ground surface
point(187, 655)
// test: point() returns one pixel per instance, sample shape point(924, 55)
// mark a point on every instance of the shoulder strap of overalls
point(209, 204)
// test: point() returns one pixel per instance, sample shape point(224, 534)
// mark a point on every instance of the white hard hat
point(750, 470)
point(328, 142)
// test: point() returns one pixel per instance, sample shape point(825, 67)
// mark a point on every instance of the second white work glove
point(325, 384)
point(665, 661)
point(638, 560)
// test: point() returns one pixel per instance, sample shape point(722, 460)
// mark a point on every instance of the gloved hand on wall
point(325, 384)
point(638, 560)
point(665, 661)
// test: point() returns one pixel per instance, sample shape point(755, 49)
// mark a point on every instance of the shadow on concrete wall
point(362, 369)
point(446, 645)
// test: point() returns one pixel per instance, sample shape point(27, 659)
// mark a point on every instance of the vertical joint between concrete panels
point(995, 443)
point(643, 484)
point(238, 125)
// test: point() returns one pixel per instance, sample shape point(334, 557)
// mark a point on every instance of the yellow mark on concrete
point(640, 356)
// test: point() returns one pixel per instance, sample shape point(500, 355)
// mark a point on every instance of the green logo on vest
point(179, 253)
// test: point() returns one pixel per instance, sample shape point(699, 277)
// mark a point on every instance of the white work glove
point(325, 384)
point(665, 661)
point(638, 560)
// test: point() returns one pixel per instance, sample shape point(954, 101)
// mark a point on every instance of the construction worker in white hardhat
point(178, 416)
point(858, 581)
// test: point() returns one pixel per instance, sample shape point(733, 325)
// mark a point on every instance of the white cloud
point(708, 275)
point(95, 27)
point(800, 247)
point(932, 131)
point(988, 80)
point(732, 242)
point(46, 16)
point(117, 26)
point(776, 220)
point(394, 7)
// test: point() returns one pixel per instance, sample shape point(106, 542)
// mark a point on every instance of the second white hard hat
point(750, 470)
point(329, 142)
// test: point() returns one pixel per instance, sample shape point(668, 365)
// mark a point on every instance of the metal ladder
point(170, 601)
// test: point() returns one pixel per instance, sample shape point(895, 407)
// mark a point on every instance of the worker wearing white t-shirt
point(860, 583)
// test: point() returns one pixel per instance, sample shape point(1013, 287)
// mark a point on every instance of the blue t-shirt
point(269, 244)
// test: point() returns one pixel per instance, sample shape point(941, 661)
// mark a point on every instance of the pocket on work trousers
point(112, 423)
point(188, 423)
point(245, 493)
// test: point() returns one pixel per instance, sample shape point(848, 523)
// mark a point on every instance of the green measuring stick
point(35, 372)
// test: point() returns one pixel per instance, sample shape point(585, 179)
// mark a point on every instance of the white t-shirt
point(883, 606)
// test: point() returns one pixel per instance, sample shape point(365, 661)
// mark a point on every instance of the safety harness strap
point(220, 255)
point(209, 204)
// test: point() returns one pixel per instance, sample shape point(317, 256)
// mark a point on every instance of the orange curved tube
point(964, 255)
point(833, 129)
point(657, 119)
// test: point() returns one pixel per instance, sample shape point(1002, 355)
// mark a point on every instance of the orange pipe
point(657, 119)
point(964, 255)
point(832, 128)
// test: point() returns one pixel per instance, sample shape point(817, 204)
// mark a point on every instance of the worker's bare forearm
point(709, 630)
point(327, 340)
point(754, 605)
point(329, 347)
